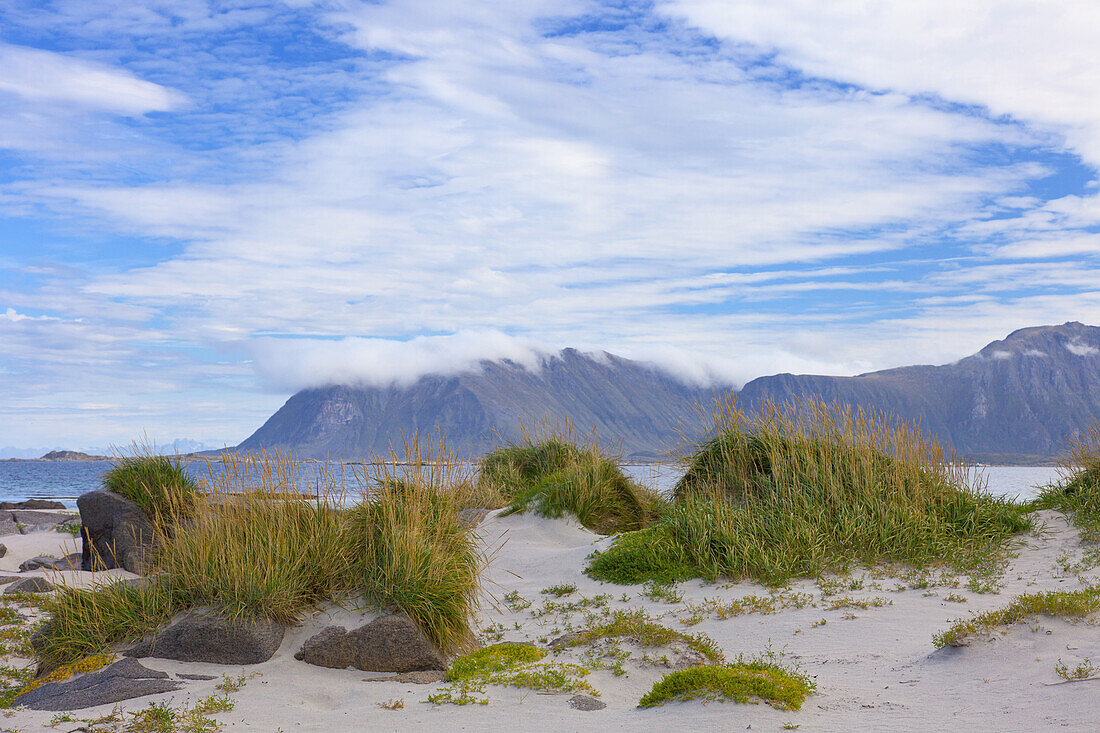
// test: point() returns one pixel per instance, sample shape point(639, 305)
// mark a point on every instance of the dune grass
point(158, 484)
point(1064, 604)
point(556, 473)
point(806, 488)
point(742, 681)
point(1077, 494)
point(258, 546)
point(640, 628)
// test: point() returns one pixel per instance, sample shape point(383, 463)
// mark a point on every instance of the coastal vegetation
point(743, 681)
point(261, 549)
point(556, 473)
point(1073, 604)
point(158, 484)
point(1077, 495)
point(805, 488)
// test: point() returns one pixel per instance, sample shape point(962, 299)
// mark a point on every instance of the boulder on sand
point(33, 584)
point(123, 680)
point(211, 637)
point(392, 643)
point(116, 533)
point(45, 562)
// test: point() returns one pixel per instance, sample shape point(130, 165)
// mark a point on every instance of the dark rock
point(192, 676)
point(123, 680)
point(116, 533)
point(9, 578)
point(586, 702)
point(423, 677)
point(330, 648)
point(394, 643)
point(45, 562)
point(38, 638)
point(202, 637)
point(3, 549)
point(32, 504)
point(30, 585)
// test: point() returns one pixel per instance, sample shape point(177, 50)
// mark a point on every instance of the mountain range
point(1020, 396)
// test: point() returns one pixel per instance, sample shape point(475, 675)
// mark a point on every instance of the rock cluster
point(211, 637)
point(123, 680)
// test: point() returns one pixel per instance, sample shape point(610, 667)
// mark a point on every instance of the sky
point(205, 206)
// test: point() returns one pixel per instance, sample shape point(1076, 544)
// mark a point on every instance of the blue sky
point(206, 206)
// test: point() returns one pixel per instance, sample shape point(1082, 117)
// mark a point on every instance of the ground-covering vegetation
point(257, 546)
point(1072, 604)
point(807, 488)
point(1077, 494)
point(553, 473)
point(511, 665)
point(743, 681)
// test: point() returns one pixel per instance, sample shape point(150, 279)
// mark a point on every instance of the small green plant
point(1083, 671)
point(956, 598)
point(666, 592)
point(395, 703)
point(515, 601)
point(1065, 604)
point(562, 589)
point(644, 631)
point(774, 602)
point(72, 528)
point(742, 681)
point(860, 603)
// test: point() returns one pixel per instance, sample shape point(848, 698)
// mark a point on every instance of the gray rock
point(123, 680)
point(36, 518)
point(45, 562)
point(9, 579)
point(33, 584)
point(330, 648)
point(193, 676)
point(209, 637)
point(586, 702)
point(116, 533)
point(392, 643)
point(424, 677)
point(8, 525)
point(3, 549)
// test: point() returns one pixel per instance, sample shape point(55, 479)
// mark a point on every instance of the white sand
point(876, 669)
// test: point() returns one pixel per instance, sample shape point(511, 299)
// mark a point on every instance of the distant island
point(60, 455)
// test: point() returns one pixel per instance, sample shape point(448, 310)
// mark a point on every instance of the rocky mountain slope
point(1021, 395)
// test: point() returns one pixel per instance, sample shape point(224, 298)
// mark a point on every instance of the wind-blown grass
point(557, 474)
point(806, 488)
point(158, 484)
point(258, 547)
point(1077, 494)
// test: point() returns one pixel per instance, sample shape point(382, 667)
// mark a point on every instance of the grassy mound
point(1064, 604)
point(741, 682)
point(808, 488)
point(553, 476)
point(266, 552)
point(508, 664)
point(157, 484)
point(1078, 493)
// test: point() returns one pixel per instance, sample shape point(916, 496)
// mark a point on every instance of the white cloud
point(45, 76)
point(1080, 349)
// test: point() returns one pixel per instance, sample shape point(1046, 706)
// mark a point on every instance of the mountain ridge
point(1019, 395)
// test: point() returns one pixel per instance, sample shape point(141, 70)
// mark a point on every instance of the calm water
point(66, 481)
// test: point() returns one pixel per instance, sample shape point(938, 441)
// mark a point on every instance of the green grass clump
point(809, 488)
point(491, 659)
point(643, 631)
point(417, 556)
point(555, 475)
point(741, 682)
point(508, 664)
point(1077, 494)
point(1064, 604)
point(85, 623)
point(157, 484)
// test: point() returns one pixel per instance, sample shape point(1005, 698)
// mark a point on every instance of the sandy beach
point(866, 640)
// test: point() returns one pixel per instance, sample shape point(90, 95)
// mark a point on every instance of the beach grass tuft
point(1077, 493)
point(158, 484)
point(1064, 604)
point(806, 488)
point(553, 473)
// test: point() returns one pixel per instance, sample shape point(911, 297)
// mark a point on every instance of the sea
point(64, 481)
